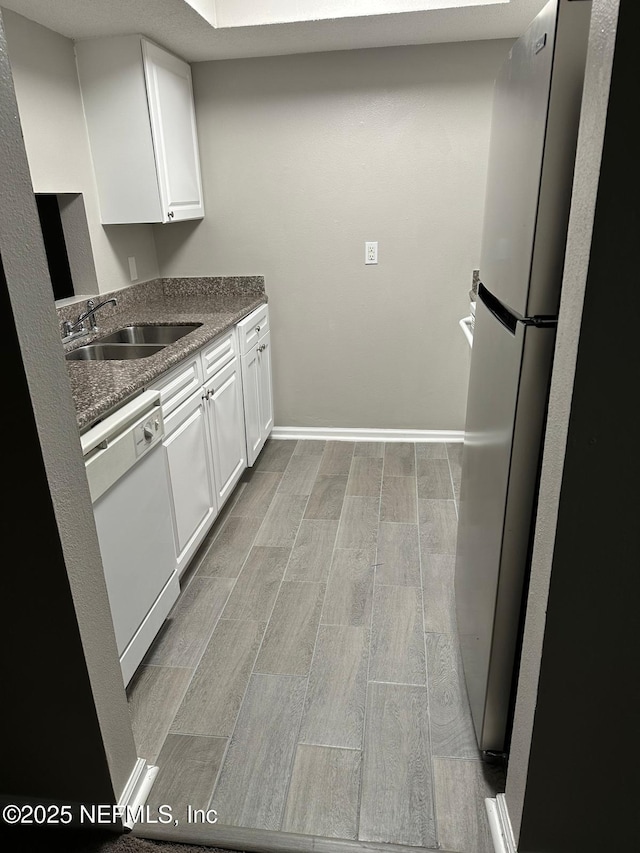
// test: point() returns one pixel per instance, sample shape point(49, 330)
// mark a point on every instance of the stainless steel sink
point(165, 334)
point(112, 352)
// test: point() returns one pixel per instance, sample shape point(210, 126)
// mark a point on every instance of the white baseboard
point(136, 791)
point(500, 825)
point(348, 434)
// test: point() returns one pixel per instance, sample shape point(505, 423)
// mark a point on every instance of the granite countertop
point(218, 303)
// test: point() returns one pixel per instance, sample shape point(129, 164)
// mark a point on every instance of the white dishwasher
point(130, 493)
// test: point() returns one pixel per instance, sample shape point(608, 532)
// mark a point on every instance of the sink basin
point(165, 334)
point(108, 352)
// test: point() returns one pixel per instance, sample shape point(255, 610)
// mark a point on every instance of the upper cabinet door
point(138, 105)
point(173, 128)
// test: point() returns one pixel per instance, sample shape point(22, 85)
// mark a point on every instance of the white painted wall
point(306, 157)
point(60, 675)
point(50, 106)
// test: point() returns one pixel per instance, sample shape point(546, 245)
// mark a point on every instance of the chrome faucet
point(73, 330)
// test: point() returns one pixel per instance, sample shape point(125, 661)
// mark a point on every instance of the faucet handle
point(71, 330)
point(93, 324)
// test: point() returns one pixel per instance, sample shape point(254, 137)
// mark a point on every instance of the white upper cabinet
point(138, 103)
point(173, 128)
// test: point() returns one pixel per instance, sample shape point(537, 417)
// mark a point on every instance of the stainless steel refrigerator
point(533, 139)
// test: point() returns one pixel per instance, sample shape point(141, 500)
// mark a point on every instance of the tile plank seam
point(345, 748)
point(333, 548)
point(193, 672)
point(213, 546)
point(193, 575)
point(197, 659)
point(182, 694)
point(313, 655)
point(367, 690)
point(436, 829)
point(206, 546)
point(197, 674)
point(283, 714)
point(253, 672)
point(244, 696)
point(228, 510)
point(304, 703)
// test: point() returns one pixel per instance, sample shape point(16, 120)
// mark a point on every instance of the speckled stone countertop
point(217, 303)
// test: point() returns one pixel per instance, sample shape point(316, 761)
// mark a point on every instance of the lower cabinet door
point(251, 394)
point(192, 492)
point(226, 426)
point(266, 392)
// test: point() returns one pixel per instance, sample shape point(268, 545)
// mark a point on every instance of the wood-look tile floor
point(308, 679)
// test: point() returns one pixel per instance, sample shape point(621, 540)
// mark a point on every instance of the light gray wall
point(306, 157)
point(55, 136)
point(70, 731)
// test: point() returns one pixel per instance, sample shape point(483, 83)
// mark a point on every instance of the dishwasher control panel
point(148, 432)
point(117, 451)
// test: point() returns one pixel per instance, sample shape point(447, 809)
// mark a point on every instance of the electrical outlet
point(133, 269)
point(371, 252)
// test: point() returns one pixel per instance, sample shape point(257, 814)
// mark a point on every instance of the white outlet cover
point(133, 269)
point(371, 252)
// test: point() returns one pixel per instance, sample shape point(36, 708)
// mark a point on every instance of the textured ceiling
point(178, 27)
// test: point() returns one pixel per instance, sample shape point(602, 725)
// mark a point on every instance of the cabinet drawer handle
point(262, 348)
point(170, 214)
point(257, 328)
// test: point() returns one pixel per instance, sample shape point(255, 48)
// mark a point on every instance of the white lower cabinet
point(251, 390)
point(255, 344)
point(264, 384)
point(218, 411)
point(223, 396)
point(194, 502)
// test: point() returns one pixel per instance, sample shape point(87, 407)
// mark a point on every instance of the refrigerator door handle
point(498, 310)
point(506, 317)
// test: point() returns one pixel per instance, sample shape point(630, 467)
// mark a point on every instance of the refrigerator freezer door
point(505, 415)
point(534, 130)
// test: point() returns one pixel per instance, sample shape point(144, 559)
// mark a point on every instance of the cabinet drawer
point(252, 328)
point(219, 353)
point(173, 420)
point(179, 385)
